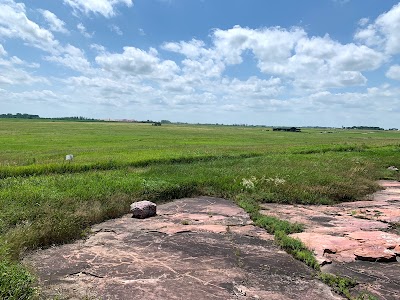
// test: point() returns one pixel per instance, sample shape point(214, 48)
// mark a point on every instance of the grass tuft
point(339, 284)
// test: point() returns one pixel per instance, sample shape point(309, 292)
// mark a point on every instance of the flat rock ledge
point(198, 248)
point(361, 235)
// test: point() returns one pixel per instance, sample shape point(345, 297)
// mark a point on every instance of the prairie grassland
point(46, 201)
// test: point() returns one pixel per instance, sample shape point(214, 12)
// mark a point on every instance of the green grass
point(281, 229)
point(45, 201)
point(15, 283)
point(341, 285)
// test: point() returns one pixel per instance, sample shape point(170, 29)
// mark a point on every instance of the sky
point(293, 63)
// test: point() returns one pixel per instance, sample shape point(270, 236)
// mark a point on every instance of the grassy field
point(46, 201)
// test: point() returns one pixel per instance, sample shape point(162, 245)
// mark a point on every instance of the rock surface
point(354, 234)
point(201, 248)
point(143, 209)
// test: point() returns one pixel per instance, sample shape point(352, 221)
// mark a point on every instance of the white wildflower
point(248, 183)
point(276, 180)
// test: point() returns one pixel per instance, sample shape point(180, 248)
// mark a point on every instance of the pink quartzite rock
point(375, 253)
point(143, 209)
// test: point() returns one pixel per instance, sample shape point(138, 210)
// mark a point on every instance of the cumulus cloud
point(254, 86)
point(192, 49)
point(394, 72)
point(15, 24)
point(137, 62)
point(72, 58)
point(101, 7)
point(310, 62)
point(383, 32)
point(54, 22)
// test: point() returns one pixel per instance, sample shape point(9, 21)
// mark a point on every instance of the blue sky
point(311, 62)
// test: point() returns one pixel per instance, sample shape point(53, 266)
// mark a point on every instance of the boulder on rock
point(143, 209)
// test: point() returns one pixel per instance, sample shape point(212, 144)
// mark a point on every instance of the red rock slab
point(198, 217)
point(375, 253)
point(388, 215)
point(356, 224)
point(389, 183)
point(382, 238)
point(130, 258)
point(326, 244)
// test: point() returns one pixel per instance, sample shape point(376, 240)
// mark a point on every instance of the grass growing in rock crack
point(339, 284)
point(45, 201)
point(342, 286)
point(281, 230)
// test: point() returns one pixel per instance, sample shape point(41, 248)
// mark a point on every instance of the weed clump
point(340, 285)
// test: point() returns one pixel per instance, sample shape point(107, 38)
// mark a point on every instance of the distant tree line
point(19, 116)
point(29, 116)
point(364, 128)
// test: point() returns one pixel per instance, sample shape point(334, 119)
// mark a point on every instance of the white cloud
point(316, 62)
point(136, 62)
point(192, 49)
point(270, 44)
point(363, 21)
point(42, 96)
point(374, 99)
point(383, 32)
point(15, 71)
point(98, 48)
point(72, 58)
point(311, 62)
point(253, 88)
point(83, 31)
point(54, 22)
point(3, 52)
point(116, 29)
point(102, 7)
point(394, 72)
point(15, 24)
point(197, 69)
